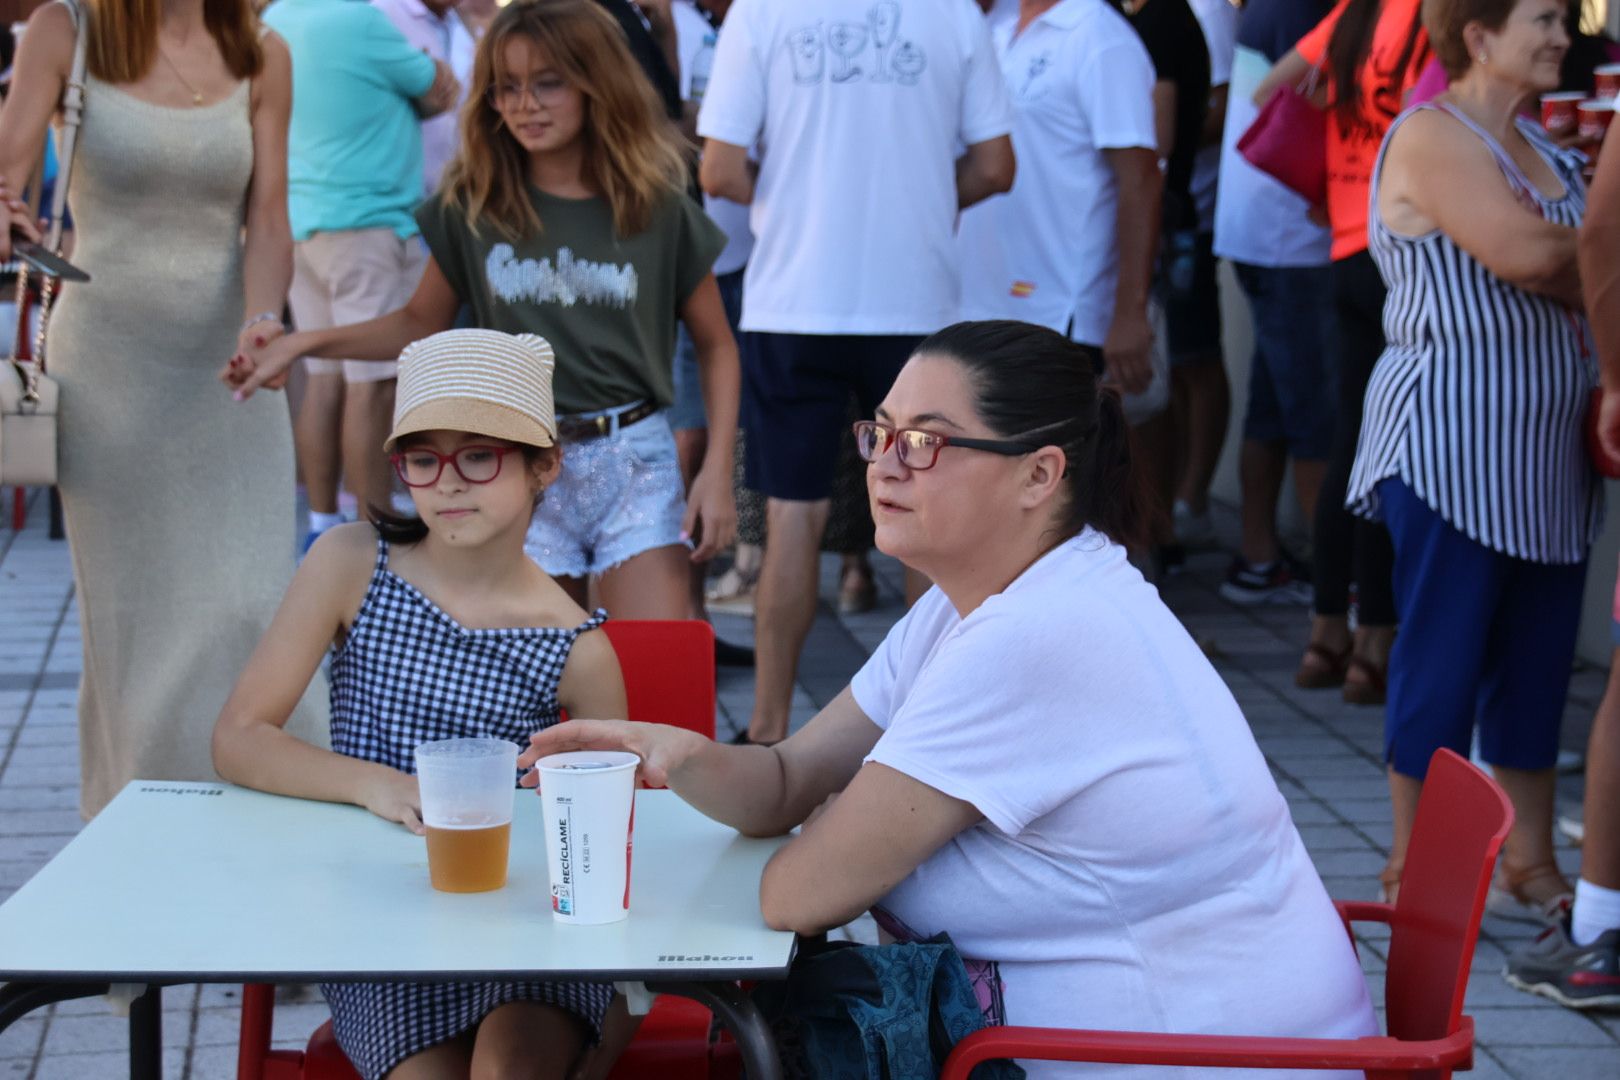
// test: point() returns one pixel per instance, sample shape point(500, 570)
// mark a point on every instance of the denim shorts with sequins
point(617, 496)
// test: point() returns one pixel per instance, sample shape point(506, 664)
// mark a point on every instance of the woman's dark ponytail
point(1031, 381)
point(1112, 498)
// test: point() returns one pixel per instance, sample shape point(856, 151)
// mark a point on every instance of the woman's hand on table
point(661, 747)
point(394, 796)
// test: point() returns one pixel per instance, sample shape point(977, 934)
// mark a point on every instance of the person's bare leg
point(527, 1039)
point(318, 435)
point(1308, 473)
point(1600, 850)
point(651, 585)
point(1530, 841)
point(1371, 645)
point(1403, 798)
point(445, 1061)
point(690, 446)
point(1260, 476)
point(368, 416)
point(577, 588)
point(1332, 633)
point(1209, 407)
point(784, 608)
point(618, 1028)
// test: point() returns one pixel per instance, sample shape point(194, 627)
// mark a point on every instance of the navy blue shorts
point(1192, 299)
point(1484, 639)
point(795, 402)
point(1291, 382)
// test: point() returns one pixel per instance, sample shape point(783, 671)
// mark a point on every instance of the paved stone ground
point(1325, 756)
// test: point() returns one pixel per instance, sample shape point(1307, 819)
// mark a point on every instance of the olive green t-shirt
point(607, 304)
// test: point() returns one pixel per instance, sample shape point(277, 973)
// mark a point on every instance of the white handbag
point(28, 397)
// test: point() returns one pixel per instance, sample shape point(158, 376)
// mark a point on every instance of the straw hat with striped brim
point(479, 381)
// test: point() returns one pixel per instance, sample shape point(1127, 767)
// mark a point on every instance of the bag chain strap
point(72, 110)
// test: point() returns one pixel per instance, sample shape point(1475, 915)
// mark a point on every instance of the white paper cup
point(467, 787)
point(588, 800)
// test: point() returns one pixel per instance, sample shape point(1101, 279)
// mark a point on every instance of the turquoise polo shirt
point(354, 150)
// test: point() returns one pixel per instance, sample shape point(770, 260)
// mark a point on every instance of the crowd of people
point(585, 295)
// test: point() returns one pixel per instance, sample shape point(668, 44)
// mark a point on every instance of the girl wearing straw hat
point(438, 627)
point(566, 215)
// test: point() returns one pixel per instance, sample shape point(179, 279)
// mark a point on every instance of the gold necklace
point(196, 98)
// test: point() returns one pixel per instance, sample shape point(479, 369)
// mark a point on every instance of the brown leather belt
point(580, 429)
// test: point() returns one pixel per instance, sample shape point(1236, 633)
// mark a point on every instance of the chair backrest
point(1462, 819)
point(668, 667)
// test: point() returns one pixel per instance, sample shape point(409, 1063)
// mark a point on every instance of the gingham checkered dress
point(408, 673)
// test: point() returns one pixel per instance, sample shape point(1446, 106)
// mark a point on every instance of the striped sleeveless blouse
point(1478, 400)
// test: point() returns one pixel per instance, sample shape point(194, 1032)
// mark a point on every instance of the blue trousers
point(1484, 639)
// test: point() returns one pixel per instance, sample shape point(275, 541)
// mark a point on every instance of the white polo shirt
point(695, 42)
point(860, 110)
point(1046, 252)
point(446, 39)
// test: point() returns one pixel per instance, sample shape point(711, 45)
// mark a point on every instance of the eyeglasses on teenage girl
point(421, 466)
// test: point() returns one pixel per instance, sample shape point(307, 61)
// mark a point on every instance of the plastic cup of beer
point(1606, 81)
point(588, 802)
point(1595, 115)
point(1560, 112)
point(467, 787)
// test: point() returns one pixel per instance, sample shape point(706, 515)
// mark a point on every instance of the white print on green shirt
point(570, 281)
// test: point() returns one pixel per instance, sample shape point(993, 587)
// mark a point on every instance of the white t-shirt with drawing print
point(1137, 868)
point(1047, 251)
point(860, 109)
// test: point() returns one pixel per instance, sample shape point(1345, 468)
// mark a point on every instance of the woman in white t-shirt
point(1038, 759)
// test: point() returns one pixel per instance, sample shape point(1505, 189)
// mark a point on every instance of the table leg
point(146, 1035)
point(740, 1016)
point(18, 999)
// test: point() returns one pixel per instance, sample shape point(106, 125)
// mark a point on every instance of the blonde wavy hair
point(123, 41)
point(633, 154)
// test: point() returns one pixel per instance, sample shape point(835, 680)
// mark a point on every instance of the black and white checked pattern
point(1478, 400)
point(406, 674)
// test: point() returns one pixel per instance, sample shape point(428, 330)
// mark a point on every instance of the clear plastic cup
point(588, 801)
point(467, 787)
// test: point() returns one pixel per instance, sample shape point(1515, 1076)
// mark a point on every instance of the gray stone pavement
point(1325, 755)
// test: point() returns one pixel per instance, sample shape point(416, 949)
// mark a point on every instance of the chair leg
point(19, 509)
point(57, 531)
point(258, 1005)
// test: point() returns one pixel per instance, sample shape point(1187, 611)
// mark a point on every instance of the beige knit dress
point(179, 501)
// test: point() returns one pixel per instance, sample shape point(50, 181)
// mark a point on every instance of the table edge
point(661, 974)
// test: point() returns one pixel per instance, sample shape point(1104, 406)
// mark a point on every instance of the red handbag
point(1288, 142)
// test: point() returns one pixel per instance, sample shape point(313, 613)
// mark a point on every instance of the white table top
point(177, 882)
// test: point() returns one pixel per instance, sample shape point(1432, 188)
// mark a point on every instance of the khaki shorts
point(348, 277)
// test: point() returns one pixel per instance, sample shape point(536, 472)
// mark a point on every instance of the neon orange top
point(1382, 91)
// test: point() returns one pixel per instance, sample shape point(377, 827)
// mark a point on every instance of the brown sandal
point(1326, 673)
point(1389, 884)
point(1372, 686)
point(1509, 899)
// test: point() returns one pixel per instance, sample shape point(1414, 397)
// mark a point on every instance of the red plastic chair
point(1462, 819)
point(668, 668)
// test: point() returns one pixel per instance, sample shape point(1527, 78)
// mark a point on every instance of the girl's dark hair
point(399, 529)
point(1028, 380)
point(1347, 51)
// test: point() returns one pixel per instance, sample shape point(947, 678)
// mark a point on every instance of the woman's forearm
point(382, 338)
point(720, 377)
point(267, 260)
point(745, 787)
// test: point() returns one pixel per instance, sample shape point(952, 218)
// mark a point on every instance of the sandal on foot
point(1508, 898)
point(1370, 688)
point(1328, 670)
point(1389, 884)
